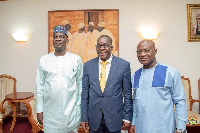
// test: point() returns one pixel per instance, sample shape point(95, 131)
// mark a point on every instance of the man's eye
point(62, 37)
point(106, 45)
point(139, 52)
point(147, 51)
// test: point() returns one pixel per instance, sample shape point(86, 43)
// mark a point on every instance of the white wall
point(168, 16)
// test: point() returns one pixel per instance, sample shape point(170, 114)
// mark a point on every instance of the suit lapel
point(96, 73)
point(113, 68)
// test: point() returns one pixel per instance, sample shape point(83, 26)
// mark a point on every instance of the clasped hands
point(85, 126)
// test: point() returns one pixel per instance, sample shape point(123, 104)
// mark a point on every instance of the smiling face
point(59, 41)
point(104, 47)
point(146, 53)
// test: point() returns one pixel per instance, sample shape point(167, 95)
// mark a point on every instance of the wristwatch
point(181, 131)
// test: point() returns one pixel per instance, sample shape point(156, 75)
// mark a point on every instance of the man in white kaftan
point(157, 89)
point(59, 86)
point(91, 41)
point(79, 41)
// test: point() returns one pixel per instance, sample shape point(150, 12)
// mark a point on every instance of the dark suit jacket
point(94, 102)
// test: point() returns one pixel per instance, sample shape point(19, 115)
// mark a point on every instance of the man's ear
point(155, 51)
point(112, 47)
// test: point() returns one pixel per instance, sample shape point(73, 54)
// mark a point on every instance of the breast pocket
point(69, 74)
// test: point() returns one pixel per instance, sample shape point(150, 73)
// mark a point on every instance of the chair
point(190, 101)
point(32, 115)
point(7, 86)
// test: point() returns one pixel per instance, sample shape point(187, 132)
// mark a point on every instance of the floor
point(23, 126)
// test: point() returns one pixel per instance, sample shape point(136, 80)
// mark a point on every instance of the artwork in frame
point(193, 22)
point(83, 28)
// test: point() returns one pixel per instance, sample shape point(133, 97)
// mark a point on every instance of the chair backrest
point(32, 114)
point(33, 108)
point(187, 88)
point(7, 86)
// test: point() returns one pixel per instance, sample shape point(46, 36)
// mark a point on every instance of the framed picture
point(83, 28)
point(193, 22)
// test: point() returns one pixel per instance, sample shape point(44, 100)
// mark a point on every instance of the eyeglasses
point(104, 46)
point(146, 51)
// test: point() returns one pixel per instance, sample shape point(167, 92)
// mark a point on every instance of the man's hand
point(132, 129)
point(40, 118)
point(125, 125)
point(85, 126)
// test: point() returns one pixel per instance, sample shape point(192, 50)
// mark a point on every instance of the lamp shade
point(21, 37)
point(148, 33)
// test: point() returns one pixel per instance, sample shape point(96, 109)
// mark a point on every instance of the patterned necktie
point(103, 75)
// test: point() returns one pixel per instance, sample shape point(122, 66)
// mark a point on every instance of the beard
point(60, 49)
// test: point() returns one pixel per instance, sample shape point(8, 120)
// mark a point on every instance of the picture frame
point(193, 22)
point(84, 45)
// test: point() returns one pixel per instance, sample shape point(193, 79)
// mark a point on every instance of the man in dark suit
point(106, 99)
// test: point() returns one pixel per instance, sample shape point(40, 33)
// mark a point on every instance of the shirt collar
point(151, 68)
point(108, 60)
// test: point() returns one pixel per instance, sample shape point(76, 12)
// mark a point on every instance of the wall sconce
point(148, 33)
point(21, 37)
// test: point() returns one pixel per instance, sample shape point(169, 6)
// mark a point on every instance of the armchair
point(7, 86)
point(190, 101)
point(32, 115)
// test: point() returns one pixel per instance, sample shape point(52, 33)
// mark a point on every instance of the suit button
point(101, 110)
point(102, 96)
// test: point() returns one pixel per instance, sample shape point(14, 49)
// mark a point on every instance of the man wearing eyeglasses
point(106, 82)
point(157, 89)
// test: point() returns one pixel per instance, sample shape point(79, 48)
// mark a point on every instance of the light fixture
point(21, 36)
point(148, 33)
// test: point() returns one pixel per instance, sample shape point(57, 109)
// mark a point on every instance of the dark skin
point(59, 42)
point(100, 28)
point(81, 29)
point(147, 59)
point(68, 26)
point(104, 54)
point(90, 28)
point(146, 54)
